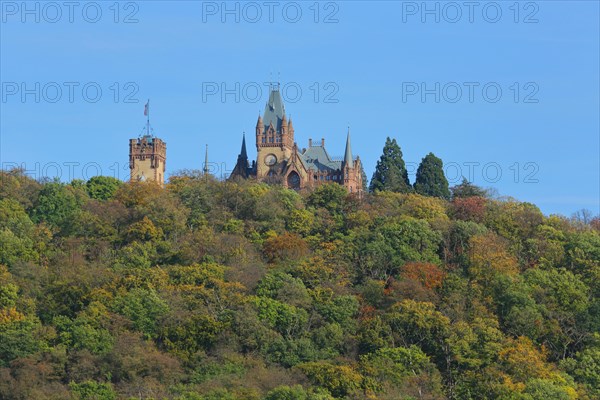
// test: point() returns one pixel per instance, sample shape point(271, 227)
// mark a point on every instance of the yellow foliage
point(8, 315)
point(523, 361)
point(423, 207)
point(489, 254)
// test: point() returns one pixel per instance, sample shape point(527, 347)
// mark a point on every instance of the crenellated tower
point(147, 159)
point(147, 156)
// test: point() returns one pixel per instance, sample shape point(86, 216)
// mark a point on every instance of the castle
point(279, 160)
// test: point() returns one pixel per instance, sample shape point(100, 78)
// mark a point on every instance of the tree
point(57, 204)
point(390, 172)
point(470, 208)
point(365, 180)
point(431, 180)
point(467, 189)
point(406, 368)
point(330, 197)
point(340, 380)
point(102, 187)
point(90, 390)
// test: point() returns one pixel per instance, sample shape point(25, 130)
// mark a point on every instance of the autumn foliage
point(209, 290)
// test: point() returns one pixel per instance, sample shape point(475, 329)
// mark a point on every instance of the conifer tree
point(365, 180)
point(431, 180)
point(390, 172)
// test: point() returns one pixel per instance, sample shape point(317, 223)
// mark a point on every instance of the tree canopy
point(430, 180)
point(390, 173)
point(210, 290)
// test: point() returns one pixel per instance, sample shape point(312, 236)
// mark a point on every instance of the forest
point(226, 290)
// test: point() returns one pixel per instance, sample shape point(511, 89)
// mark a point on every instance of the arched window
point(293, 180)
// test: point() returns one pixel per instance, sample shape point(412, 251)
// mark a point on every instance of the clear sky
point(506, 93)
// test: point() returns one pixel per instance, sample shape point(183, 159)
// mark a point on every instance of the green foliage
point(19, 337)
point(286, 319)
point(430, 180)
point(102, 187)
point(143, 307)
point(467, 189)
point(329, 196)
point(380, 253)
point(239, 290)
point(585, 367)
point(339, 380)
point(390, 173)
point(56, 204)
point(91, 390)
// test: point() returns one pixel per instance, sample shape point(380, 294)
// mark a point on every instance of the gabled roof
point(274, 110)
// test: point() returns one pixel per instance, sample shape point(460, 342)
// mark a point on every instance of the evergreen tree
point(390, 172)
point(431, 180)
point(365, 180)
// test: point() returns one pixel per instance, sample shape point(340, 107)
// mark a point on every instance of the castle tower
point(147, 159)
point(274, 136)
point(147, 156)
point(351, 169)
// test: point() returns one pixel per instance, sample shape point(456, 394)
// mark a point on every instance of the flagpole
point(148, 120)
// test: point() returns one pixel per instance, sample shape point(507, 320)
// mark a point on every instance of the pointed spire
point(290, 129)
point(348, 153)
point(205, 170)
point(243, 153)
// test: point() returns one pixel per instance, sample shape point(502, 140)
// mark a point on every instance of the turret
point(241, 168)
point(205, 169)
point(348, 161)
point(260, 127)
point(284, 125)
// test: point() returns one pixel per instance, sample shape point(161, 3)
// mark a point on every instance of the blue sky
point(507, 95)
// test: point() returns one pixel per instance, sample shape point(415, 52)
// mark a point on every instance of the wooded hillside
point(237, 290)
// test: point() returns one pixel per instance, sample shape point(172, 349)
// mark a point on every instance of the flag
point(147, 108)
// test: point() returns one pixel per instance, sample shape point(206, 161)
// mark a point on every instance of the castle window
point(270, 140)
point(316, 178)
point(264, 140)
point(321, 177)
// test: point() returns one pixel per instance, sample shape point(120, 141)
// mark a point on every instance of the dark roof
point(274, 110)
point(348, 152)
point(316, 158)
point(243, 152)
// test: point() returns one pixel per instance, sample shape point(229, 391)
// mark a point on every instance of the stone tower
point(351, 169)
point(147, 159)
point(274, 137)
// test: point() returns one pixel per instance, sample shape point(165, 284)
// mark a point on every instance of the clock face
point(270, 160)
